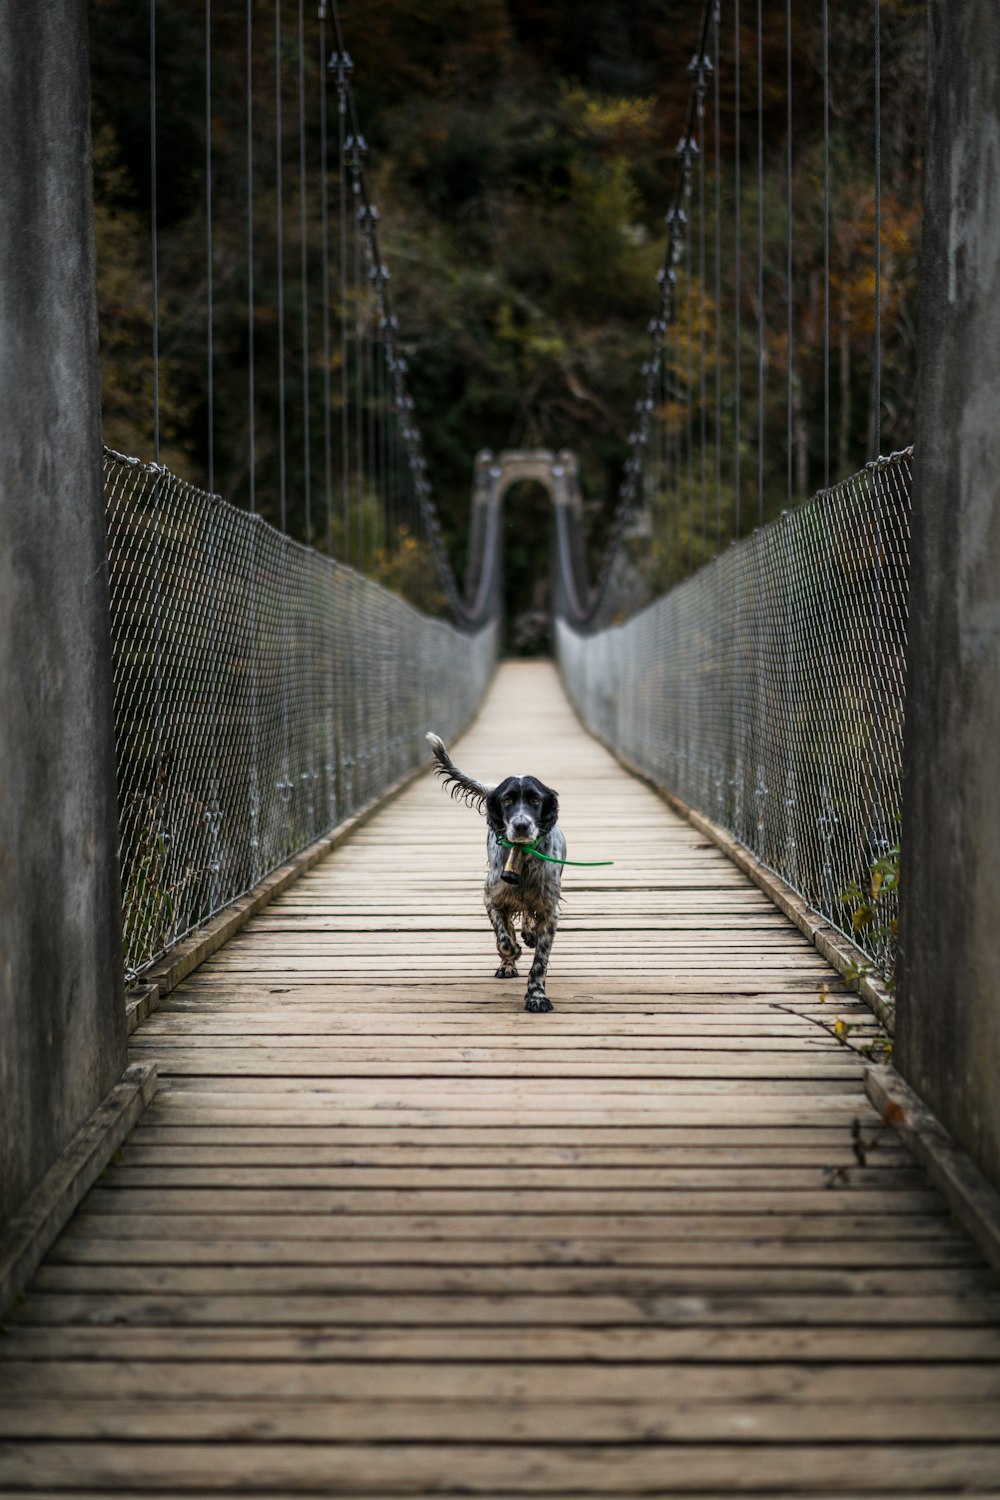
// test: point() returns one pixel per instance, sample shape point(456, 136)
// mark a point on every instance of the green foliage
point(873, 909)
point(523, 155)
point(407, 567)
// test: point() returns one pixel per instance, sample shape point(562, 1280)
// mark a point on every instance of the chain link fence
point(263, 693)
point(767, 692)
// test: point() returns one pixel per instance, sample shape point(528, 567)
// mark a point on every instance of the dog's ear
point(549, 815)
point(493, 808)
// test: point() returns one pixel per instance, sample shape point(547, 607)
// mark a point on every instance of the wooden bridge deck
point(383, 1232)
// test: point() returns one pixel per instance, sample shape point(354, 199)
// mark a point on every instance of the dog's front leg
point(507, 945)
point(536, 998)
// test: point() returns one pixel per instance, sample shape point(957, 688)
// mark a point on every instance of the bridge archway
point(558, 476)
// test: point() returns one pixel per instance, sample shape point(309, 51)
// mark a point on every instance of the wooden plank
point(560, 1176)
point(516, 1468)
point(510, 1281)
point(536, 1222)
point(798, 1385)
point(539, 1420)
point(497, 1345)
point(703, 1201)
point(542, 1311)
point(93, 1243)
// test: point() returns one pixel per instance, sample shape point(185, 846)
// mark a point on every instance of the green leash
point(530, 849)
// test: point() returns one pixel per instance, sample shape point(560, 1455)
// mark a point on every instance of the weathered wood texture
point(383, 1232)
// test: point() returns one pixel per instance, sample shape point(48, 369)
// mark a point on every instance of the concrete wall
point(62, 1036)
point(949, 999)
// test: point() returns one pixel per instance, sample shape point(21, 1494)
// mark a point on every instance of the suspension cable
point(717, 123)
point(154, 233)
point(703, 67)
point(342, 67)
point(826, 244)
point(760, 264)
point(325, 281)
point(790, 391)
point(251, 397)
point(737, 267)
point(676, 221)
point(209, 269)
point(877, 351)
point(304, 291)
point(279, 192)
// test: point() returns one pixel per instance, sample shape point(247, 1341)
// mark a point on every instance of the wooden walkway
point(383, 1232)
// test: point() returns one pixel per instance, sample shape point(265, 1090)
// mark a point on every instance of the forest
point(522, 154)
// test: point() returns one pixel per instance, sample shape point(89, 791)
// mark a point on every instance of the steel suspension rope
point(154, 232)
point(737, 267)
point(416, 463)
point(761, 355)
point(209, 256)
point(877, 349)
point(717, 141)
point(826, 244)
point(630, 489)
point(324, 191)
point(251, 395)
point(790, 387)
point(279, 191)
point(304, 274)
point(342, 67)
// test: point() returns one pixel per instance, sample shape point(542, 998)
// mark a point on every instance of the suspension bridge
point(296, 1199)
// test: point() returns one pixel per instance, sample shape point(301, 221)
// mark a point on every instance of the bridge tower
point(61, 1004)
point(949, 1001)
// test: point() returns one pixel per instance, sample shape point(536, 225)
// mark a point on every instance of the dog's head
point(522, 810)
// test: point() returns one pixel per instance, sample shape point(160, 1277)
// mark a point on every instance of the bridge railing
point(263, 693)
point(766, 691)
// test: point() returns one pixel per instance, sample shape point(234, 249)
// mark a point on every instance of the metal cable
point(737, 268)
point(877, 352)
point(717, 120)
point(342, 66)
point(703, 67)
point(154, 232)
point(251, 399)
point(789, 245)
point(359, 378)
point(760, 265)
point(279, 192)
point(304, 290)
point(324, 190)
point(209, 254)
point(826, 244)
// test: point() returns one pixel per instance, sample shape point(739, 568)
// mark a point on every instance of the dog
point(523, 813)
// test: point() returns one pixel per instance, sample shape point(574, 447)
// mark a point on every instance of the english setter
point(522, 812)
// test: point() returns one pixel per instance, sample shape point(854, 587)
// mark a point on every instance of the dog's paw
point(529, 936)
point(506, 971)
point(537, 1000)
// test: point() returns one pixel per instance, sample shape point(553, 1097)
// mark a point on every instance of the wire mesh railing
point(263, 693)
point(766, 691)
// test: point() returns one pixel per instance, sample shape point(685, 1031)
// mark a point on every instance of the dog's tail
point(472, 792)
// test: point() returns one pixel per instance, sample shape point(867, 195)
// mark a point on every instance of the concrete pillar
point(949, 990)
point(62, 1032)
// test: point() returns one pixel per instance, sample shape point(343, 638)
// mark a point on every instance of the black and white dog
point(521, 812)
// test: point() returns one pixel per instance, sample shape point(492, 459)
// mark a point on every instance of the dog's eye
point(508, 799)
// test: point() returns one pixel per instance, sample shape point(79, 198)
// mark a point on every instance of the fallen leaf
point(893, 1114)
